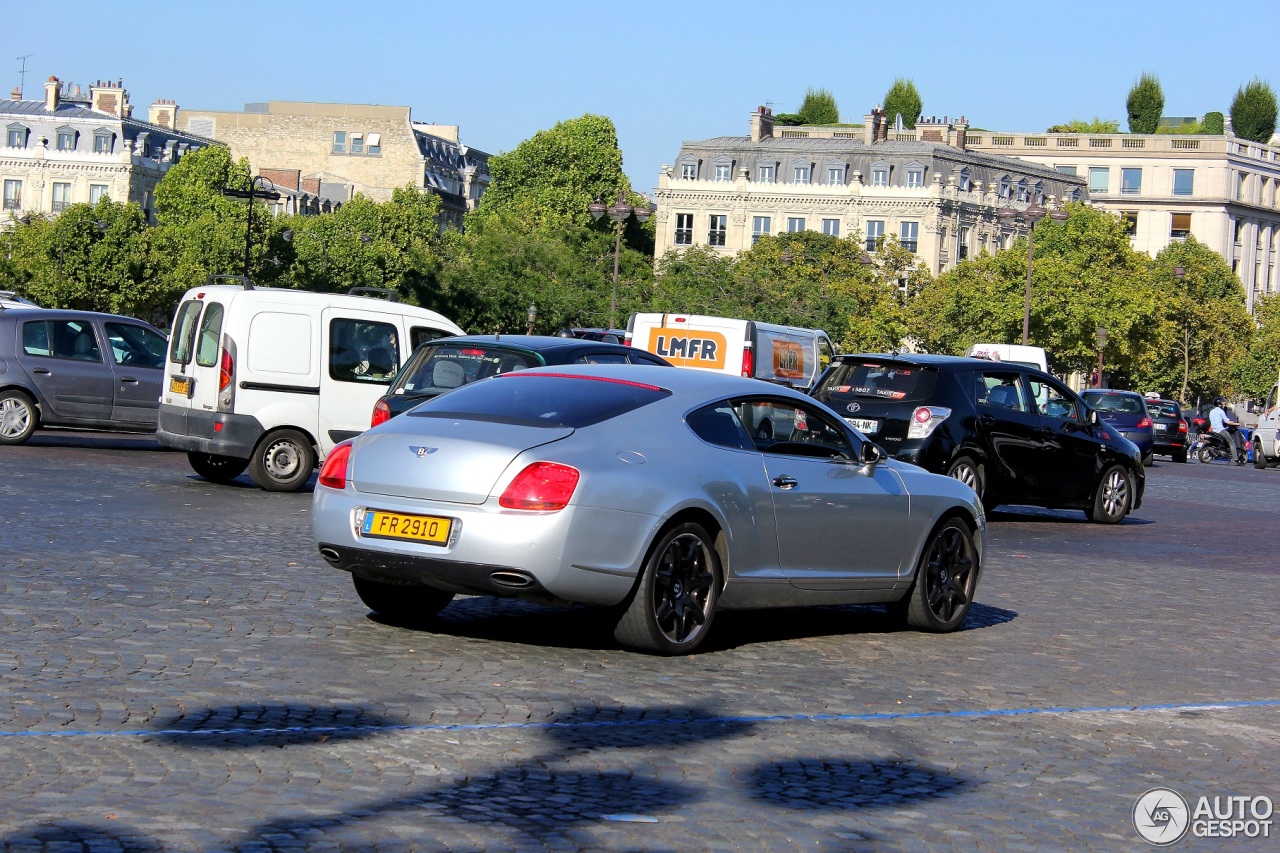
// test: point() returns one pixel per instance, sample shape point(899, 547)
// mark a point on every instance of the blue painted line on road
point(650, 721)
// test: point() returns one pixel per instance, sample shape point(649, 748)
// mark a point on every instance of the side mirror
point(1092, 418)
point(870, 453)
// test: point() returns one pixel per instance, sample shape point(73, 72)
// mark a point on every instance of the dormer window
point(689, 170)
point(880, 174)
point(1022, 190)
point(835, 174)
point(104, 141)
point(966, 181)
point(67, 138)
point(1037, 193)
point(800, 174)
point(722, 171)
point(915, 175)
point(17, 136)
point(767, 174)
point(1006, 188)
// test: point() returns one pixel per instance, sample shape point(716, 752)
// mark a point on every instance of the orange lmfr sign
point(788, 360)
point(689, 347)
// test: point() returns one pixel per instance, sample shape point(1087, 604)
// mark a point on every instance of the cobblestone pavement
point(181, 671)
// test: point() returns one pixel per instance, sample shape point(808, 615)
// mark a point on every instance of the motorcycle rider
point(1222, 426)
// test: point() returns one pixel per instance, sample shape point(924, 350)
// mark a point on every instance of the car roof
point(69, 314)
point(934, 360)
point(1114, 392)
point(703, 383)
point(533, 343)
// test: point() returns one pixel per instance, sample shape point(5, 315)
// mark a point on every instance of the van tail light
point(226, 370)
point(925, 420)
point(1182, 426)
point(333, 474)
point(748, 363)
point(1144, 423)
point(381, 413)
point(541, 486)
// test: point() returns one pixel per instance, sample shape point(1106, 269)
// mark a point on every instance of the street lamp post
point(618, 212)
point(531, 318)
point(1033, 214)
point(1100, 337)
point(268, 192)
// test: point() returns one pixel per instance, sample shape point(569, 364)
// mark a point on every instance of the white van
point(1026, 356)
point(786, 354)
point(271, 379)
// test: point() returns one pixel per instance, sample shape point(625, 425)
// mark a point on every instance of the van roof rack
point(375, 292)
point(242, 280)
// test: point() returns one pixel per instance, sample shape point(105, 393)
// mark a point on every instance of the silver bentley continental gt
point(666, 494)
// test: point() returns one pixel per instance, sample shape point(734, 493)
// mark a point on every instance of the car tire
point(1148, 460)
point(282, 461)
point(674, 603)
point(969, 472)
point(1113, 497)
point(1259, 458)
point(401, 602)
point(215, 467)
point(19, 417)
point(1180, 456)
point(946, 577)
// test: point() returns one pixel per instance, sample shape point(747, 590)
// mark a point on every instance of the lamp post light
point(1032, 214)
point(618, 212)
point(531, 318)
point(1100, 337)
point(268, 192)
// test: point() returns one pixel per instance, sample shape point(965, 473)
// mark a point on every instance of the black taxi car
point(1012, 433)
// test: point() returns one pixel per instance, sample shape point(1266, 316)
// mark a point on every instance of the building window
point(13, 195)
point(97, 192)
point(722, 171)
point(17, 136)
point(1129, 222)
point(801, 174)
point(1022, 190)
point(1240, 182)
point(1066, 170)
point(962, 243)
point(1130, 181)
point(357, 143)
point(831, 227)
point(1006, 188)
point(875, 231)
point(339, 142)
point(104, 142)
point(684, 229)
point(966, 180)
point(689, 171)
point(1099, 179)
point(374, 147)
point(1181, 226)
point(915, 178)
point(61, 197)
point(908, 235)
point(835, 176)
point(1037, 193)
point(879, 176)
point(1183, 181)
point(67, 139)
point(795, 223)
point(767, 174)
point(760, 226)
point(719, 228)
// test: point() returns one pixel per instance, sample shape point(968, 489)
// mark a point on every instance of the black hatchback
point(1013, 434)
point(445, 363)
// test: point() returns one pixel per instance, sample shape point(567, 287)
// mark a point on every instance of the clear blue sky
point(663, 71)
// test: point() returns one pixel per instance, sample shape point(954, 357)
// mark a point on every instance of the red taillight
point(225, 370)
point(1144, 423)
point(923, 415)
point(381, 413)
point(333, 474)
point(1182, 426)
point(541, 486)
point(748, 362)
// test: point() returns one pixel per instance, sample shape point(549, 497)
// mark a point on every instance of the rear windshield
point(543, 400)
point(443, 367)
point(1115, 403)
point(886, 380)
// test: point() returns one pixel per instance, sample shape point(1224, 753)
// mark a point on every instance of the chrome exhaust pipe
point(513, 580)
point(330, 554)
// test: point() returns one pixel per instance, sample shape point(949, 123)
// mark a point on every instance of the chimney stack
point(761, 124)
point(962, 131)
point(51, 89)
point(108, 97)
point(164, 112)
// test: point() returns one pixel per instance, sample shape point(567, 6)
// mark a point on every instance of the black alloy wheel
point(401, 602)
point(672, 607)
point(215, 467)
point(970, 473)
point(946, 578)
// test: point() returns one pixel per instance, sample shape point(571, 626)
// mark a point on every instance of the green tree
point(553, 176)
point(819, 107)
point(1145, 104)
point(1214, 124)
point(1256, 371)
point(1253, 112)
point(903, 99)
point(1098, 125)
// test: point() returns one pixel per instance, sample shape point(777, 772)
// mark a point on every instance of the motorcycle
point(1209, 446)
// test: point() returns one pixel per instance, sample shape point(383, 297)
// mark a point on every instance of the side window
point(639, 357)
point(136, 346)
point(419, 335)
point(75, 339)
point(35, 338)
point(719, 425)
point(601, 358)
point(363, 351)
point(1000, 390)
point(1054, 401)
point(210, 338)
point(781, 427)
point(182, 341)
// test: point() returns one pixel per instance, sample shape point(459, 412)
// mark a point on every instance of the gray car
point(77, 369)
point(645, 489)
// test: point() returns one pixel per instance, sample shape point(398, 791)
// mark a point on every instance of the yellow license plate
point(415, 528)
point(180, 385)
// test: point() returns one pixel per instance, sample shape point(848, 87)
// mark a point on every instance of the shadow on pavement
point(272, 724)
point(829, 784)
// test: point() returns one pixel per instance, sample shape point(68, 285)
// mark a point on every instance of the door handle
point(785, 482)
point(987, 420)
point(43, 371)
point(129, 379)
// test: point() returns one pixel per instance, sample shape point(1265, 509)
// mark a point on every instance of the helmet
point(1219, 401)
point(565, 333)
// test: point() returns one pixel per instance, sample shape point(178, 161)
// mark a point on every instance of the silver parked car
point(668, 494)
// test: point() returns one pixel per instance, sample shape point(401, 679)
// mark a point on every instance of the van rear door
point(690, 340)
point(191, 377)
